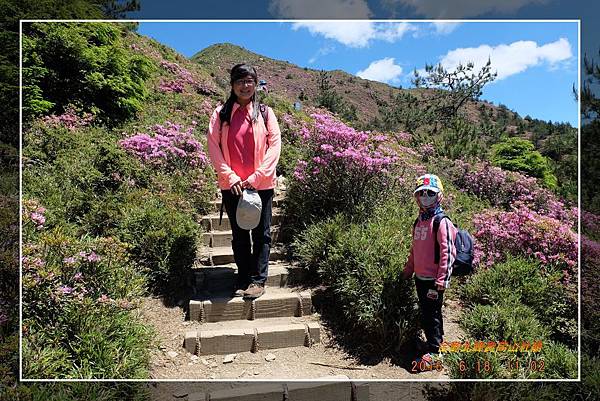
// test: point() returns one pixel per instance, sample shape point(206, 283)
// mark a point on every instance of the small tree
point(451, 89)
point(333, 101)
point(327, 97)
point(590, 104)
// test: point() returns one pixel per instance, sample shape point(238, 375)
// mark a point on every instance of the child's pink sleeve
point(445, 237)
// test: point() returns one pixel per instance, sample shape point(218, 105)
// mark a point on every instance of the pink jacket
point(421, 258)
point(267, 147)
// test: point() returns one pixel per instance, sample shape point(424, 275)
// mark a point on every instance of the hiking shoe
point(255, 290)
point(428, 362)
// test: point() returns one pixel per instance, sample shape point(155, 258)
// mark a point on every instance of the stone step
point(218, 279)
point(334, 388)
point(223, 255)
point(276, 302)
point(251, 336)
point(211, 222)
point(223, 238)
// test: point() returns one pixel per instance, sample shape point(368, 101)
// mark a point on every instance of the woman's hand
point(246, 185)
point(237, 188)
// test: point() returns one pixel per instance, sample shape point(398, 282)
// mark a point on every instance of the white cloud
point(356, 33)
point(323, 51)
point(349, 33)
point(320, 9)
point(444, 28)
point(462, 8)
point(384, 70)
point(510, 59)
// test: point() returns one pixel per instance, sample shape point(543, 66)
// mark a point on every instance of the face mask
point(427, 201)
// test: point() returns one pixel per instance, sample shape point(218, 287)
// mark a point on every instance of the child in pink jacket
point(432, 276)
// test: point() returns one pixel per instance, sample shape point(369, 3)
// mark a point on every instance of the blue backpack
point(463, 264)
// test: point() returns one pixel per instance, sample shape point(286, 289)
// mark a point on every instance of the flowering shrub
point(33, 214)
point(73, 286)
point(524, 231)
point(169, 147)
point(183, 78)
point(403, 137)
point(590, 273)
point(427, 151)
point(509, 189)
point(172, 86)
point(590, 223)
point(69, 119)
point(343, 170)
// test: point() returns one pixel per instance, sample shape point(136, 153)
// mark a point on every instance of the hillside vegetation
point(113, 193)
point(371, 105)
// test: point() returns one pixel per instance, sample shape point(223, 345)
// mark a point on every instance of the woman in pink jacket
point(244, 150)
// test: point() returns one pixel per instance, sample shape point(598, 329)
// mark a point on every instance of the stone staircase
point(281, 318)
point(339, 388)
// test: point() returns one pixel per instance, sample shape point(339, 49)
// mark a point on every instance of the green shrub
point(559, 362)
point(84, 64)
point(474, 365)
point(554, 361)
point(76, 297)
point(362, 264)
point(587, 389)
point(163, 240)
point(83, 391)
point(509, 321)
point(92, 341)
point(517, 154)
point(523, 282)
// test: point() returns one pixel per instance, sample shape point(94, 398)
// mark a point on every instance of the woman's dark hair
point(239, 71)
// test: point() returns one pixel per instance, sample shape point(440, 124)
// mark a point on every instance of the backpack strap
point(264, 112)
point(437, 219)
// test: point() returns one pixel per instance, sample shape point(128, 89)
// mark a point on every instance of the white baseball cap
point(249, 209)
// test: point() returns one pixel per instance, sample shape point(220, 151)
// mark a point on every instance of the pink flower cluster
point(33, 212)
point(590, 275)
point(590, 222)
point(524, 231)
point(82, 256)
point(206, 107)
point(168, 147)
point(174, 86)
point(509, 189)
point(335, 144)
point(183, 77)
point(69, 119)
point(427, 151)
point(403, 137)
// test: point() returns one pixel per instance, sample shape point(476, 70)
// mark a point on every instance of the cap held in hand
point(249, 209)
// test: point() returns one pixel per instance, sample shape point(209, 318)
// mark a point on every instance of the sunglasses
point(426, 192)
point(241, 82)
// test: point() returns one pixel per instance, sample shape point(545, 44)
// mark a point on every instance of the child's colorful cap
point(429, 181)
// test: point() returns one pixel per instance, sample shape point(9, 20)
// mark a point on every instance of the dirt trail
point(169, 359)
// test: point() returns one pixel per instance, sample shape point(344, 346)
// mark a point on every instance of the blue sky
point(536, 61)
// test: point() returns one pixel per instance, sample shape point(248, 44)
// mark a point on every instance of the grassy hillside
point(290, 81)
point(371, 105)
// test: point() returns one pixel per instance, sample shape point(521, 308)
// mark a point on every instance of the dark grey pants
point(431, 314)
point(252, 259)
